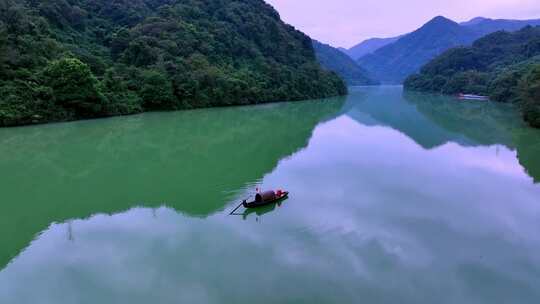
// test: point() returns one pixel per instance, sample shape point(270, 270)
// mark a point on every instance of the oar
point(241, 204)
point(237, 207)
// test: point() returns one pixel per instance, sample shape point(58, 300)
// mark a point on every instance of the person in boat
point(262, 198)
point(266, 196)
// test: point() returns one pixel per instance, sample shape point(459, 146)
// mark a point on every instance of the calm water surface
point(395, 198)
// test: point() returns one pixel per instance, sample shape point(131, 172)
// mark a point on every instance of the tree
point(120, 42)
point(157, 91)
point(530, 92)
point(121, 100)
point(3, 43)
point(74, 87)
point(140, 53)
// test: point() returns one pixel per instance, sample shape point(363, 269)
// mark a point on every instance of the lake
point(395, 197)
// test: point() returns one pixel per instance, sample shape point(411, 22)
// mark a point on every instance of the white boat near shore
point(472, 97)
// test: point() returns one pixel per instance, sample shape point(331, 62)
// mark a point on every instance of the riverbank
point(88, 60)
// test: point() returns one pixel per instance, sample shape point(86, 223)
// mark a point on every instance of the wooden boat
point(266, 198)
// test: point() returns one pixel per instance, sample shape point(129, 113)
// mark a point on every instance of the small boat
point(472, 97)
point(266, 198)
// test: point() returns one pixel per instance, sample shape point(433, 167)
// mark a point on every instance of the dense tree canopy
point(502, 65)
point(69, 59)
point(74, 87)
point(530, 90)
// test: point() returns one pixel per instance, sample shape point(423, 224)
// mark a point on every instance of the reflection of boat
point(259, 212)
point(266, 198)
point(472, 97)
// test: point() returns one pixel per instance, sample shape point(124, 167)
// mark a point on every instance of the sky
point(347, 22)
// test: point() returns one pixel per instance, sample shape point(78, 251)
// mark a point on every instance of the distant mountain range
point(483, 26)
point(391, 60)
point(335, 60)
point(368, 46)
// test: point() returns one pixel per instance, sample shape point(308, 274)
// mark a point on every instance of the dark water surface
point(395, 198)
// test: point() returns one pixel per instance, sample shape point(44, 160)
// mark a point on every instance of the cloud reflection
point(372, 215)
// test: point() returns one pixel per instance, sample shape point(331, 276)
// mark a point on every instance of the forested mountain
point(503, 65)
point(335, 60)
point(71, 59)
point(368, 46)
point(394, 62)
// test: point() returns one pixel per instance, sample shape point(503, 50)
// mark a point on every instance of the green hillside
point(503, 65)
point(64, 60)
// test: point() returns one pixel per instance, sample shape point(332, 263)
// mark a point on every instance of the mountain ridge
point(393, 62)
point(335, 60)
point(368, 46)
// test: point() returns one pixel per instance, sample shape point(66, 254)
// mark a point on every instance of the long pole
point(241, 203)
point(236, 208)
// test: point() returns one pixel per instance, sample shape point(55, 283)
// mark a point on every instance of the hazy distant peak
point(440, 20)
point(475, 20)
point(436, 28)
point(369, 46)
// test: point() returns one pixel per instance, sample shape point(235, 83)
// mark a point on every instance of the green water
point(395, 198)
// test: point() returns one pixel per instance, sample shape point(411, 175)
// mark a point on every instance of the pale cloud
point(347, 22)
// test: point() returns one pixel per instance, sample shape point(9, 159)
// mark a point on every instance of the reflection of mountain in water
point(191, 161)
point(433, 120)
point(385, 106)
point(486, 123)
point(483, 123)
